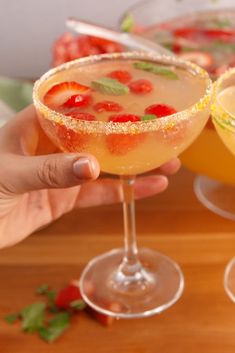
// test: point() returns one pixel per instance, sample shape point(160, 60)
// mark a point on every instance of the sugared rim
point(129, 127)
point(220, 115)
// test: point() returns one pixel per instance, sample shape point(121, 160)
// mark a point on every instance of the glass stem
point(130, 264)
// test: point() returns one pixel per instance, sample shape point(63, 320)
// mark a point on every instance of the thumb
point(60, 170)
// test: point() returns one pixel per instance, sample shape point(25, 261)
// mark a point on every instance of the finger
point(108, 191)
point(149, 186)
point(170, 167)
point(61, 170)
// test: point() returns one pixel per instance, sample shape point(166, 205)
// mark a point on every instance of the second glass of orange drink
point(203, 32)
point(133, 112)
point(223, 113)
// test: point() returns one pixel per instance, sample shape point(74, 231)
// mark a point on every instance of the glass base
point(216, 196)
point(229, 279)
point(155, 287)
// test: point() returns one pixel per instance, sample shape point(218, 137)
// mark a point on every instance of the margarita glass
point(202, 31)
point(128, 282)
point(223, 113)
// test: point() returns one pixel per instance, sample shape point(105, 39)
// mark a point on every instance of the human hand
point(38, 184)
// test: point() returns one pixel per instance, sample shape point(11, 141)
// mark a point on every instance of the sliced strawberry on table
point(202, 59)
point(120, 75)
point(120, 144)
point(107, 106)
point(61, 92)
point(66, 296)
point(104, 319)
point(141, 86)
point(160, 110)
point(78, 101)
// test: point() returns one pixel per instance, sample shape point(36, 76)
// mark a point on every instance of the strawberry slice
point(120, 144)
point(160, 110)
point(66, 296)
point(175, 134)
point(226, 35)
point(80, 115)
point(107, 106)
point(202, 59)
point(70, 140)
point(176, 48)
point(61, 92)
point(121, 76)
point(197, 34)
point(69, 47)
point(78, 101)
point(141, 86)
point(191, 33)
point(105, 45)
point(124, 118)
point(104, 319)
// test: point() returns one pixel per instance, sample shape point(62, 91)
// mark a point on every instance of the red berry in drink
point(141, 86)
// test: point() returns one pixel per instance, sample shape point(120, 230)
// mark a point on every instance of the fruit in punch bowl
point(133, 111)
point(203, 32)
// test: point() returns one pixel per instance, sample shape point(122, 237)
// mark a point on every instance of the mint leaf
point(217, 23)
point(55, 328)
point(78, 304)
point(109, 86)
point(156, 69)
point(33, 316)
point(42, 289)
point(148, 117)
point(50, 294)
point(127, 24)
point(11, 318)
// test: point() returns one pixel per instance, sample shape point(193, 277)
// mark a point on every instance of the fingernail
point(83, 168)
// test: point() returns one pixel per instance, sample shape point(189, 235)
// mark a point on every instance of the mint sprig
point(55, 327)
point(128, 22)
point(50, 295)
point(109, 86)
point(42, 289)
point(148, 117)
point(11, 318)
point(156, 69)
point(44, 317)
point(33, 316)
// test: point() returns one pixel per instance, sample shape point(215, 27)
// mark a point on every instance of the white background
point(28, 28)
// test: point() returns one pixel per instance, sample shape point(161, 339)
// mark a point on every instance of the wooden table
point(175, 223)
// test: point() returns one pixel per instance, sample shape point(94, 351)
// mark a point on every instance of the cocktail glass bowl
point(224, 121)
point(128, 282)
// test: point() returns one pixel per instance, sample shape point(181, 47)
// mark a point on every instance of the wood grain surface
point(174, 223)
